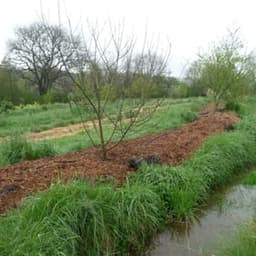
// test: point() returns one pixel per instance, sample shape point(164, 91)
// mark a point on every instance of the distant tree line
point(43, 59)
point(35, 68)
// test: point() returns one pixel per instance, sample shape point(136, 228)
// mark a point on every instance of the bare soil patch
point(172, 147)
point(59, 132)
point(72, 129)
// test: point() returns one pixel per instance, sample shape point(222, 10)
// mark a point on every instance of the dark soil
point(172, 147)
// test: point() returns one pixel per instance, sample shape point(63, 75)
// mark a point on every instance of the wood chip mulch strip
point(22, 179)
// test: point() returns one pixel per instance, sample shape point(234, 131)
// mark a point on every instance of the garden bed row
point(84, 218)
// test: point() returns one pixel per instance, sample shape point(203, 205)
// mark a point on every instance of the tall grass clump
point(18, 149)
point(82, 219)
point(141, 213)
point(73, 219)
point(173, 185)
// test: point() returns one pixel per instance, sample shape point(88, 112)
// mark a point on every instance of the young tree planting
point(109, 69)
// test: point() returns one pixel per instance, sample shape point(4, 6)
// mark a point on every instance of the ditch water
point(215, 224)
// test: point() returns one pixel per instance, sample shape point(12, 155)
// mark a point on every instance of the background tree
point(226, 71)
point(196, 86)
point(36, 51)
point(109, 68)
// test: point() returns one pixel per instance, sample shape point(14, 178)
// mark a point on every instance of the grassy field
point(99, 219)
point(35, 117)
point(173, 113)
point(176, 113)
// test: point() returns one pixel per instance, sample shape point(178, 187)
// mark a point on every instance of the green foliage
point(54, 96)
point(196, 85)
point(140, 214)
point(13, 88)
point(180, 91)
point(18, 149)
point(82, 219)
point(142, 88)
point(226, 71)
point(5, 106)
point(233, 106)
point(15, 150)
point(251, 179)
point(189, 116)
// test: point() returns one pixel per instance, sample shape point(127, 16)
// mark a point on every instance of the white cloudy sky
point(189, 24)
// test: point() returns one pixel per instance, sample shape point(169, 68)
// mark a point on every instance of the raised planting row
point(100, 219)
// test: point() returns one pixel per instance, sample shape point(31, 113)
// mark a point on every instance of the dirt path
point(172, 147)
point(59, 132)
point(72, 129)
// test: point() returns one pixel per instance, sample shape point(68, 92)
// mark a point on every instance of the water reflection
point(225, 211)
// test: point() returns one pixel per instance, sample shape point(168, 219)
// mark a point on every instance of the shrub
point(189, 116)
point(5, 106)
point(232, 106)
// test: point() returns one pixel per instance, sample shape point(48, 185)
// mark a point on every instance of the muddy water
point(225, 212)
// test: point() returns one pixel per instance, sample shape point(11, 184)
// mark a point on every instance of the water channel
point(215, 224)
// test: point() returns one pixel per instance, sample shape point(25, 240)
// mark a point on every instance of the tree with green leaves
point(226, 70)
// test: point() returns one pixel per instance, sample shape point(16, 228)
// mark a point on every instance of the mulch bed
point(22, 179)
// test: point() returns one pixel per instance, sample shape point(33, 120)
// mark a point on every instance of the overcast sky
point(190, 25)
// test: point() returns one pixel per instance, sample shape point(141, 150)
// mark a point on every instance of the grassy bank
point(100, 219)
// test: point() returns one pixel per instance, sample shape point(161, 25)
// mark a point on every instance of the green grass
point(173, 116)
point(18, 149)
point(183, 188)
point(82, 219)
point(35, 118)
point(251, 179)
point(99, 219)
point(176, 113)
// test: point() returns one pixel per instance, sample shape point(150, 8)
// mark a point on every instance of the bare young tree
point(35, 50)
point(107, 66)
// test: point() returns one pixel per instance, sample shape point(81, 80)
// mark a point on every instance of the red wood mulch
point(172, 147)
